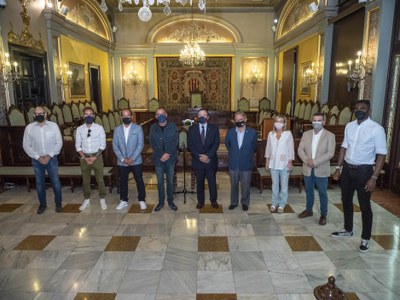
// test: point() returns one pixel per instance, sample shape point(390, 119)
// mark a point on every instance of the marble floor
point(189, 254)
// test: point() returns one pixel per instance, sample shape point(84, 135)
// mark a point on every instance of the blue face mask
point(202, 120)
point(89, 119)
point(162, 118)
point(127, 120)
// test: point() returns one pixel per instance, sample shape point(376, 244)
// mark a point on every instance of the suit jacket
point(241, 159)
point(132, 149)
point(325, 152)
point(210, 147)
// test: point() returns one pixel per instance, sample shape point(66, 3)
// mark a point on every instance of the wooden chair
point(52, 118)
point(46, 109)
point(75, 111)
point(111, 120)
point(122, 104)
point(325, 109)
point(30, 113)
point(297, 109)
point(264, 104)
point(106, 124)
point(307, 112)
point(67, 114)
point(288, 108)
point(81, 107)
point(117, 118)
point(94, 106)
point(153, 104)
point(98, 120)
point(334, 110)
point(302, 110)
point(332, 119)
point(344, 116)
point(15, 117)
point(58, 112)
point(243, 104)
point(314, 110)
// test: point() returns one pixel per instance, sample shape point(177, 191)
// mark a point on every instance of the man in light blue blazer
point(241, 142)
point(128, 144)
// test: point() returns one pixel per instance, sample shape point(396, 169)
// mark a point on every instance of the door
point(289, 71)
point(95, 86)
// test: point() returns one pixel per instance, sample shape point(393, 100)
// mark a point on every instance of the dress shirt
point(42, 140)
point(279, 151)
point(314, 144)
point(92, 144)
point(205, 129)
point(363, 142)
point(126, 132)
point(240, 136)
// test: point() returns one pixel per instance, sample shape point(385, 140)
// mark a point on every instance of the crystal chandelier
point(145, 13)
point(133, 77)
point(192, 55)
point(255, 77)
point(358, 70)
point(9, 73)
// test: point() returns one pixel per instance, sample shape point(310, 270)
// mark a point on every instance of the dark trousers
point(201, 175)
point(355, 179)
point(123, 181)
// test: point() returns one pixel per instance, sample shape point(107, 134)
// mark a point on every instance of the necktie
point(203, 135)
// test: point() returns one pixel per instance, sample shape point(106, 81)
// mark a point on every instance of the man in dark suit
point(203, 142)
point(241, 143)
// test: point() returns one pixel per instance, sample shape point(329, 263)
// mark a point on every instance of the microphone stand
point(184, 191)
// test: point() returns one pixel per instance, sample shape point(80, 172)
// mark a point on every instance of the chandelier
point(10, 73)
point(145, 13)
point(133, 77)
point(312, 75)
point(192, 55)
point(358, 71)
point(254, 77)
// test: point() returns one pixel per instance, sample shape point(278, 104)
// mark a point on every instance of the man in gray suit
point(128, 144)
point(316, 149)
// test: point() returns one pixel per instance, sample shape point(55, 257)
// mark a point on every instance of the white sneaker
point(280, 210)
point(103, 204)
point(85, 204)
point(122, 204)
point(272, 208)
point(143, 205)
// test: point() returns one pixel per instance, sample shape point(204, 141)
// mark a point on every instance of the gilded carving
point(298, 14)
point(84, 16)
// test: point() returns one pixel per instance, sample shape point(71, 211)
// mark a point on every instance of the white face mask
point(317, 125)
point(278, 125)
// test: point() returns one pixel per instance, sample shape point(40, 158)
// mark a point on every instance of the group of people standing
point(364, 140)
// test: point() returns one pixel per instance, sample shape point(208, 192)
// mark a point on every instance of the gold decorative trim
point(25, 38)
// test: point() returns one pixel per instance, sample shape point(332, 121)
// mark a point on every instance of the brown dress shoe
point(322, 220)
point(305, 214)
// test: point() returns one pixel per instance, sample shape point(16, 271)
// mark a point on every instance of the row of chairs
point(264, 104)
point(124, 103)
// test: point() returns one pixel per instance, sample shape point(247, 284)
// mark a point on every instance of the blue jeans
point(282, 177)
point(168, 169)
point(40, 176)
point(322, 186)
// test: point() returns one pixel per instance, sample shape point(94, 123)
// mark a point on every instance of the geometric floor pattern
point(189, 254)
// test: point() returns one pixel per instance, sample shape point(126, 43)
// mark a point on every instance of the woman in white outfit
point(279, 156)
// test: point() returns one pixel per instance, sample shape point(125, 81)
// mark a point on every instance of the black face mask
point(39, 118)
point(127, 121)
point(240, 124)
point(89, 119)
point(360, 115)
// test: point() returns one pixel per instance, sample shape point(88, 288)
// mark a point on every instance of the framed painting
point(77, 81)
point(305, 88)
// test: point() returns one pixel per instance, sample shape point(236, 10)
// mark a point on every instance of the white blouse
point(279, 151)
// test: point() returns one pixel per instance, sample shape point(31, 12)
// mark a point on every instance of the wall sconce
point(358, 70)
point(10, 73)
point(254, 77)
point(133, 77)
point(312, 76)
point(273, 27)
point(61, 72)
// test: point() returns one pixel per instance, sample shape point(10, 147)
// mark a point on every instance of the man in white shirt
point(364, 141)
point(43, 142)
point(316, 149)
point(90, 142)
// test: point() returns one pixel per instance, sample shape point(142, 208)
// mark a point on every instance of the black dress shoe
point(159, 206)
point(41, 209)
point(172, 206)
point(199, 205)
point(245, 207)
point(58, 208)
point(215, 205)
point(232, 206)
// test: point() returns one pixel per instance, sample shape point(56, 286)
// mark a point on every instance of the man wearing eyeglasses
point(90, 142)
point(43, 142)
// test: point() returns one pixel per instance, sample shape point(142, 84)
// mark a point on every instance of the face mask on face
point(162, 118)
point(202, 120)
point(240, 123)
point(360, 115)
point(317, 125)
point(89, 119)
point(278, 125)
point(39, 118)
point(127, 120)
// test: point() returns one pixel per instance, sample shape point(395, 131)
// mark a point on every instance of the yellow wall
point(308, 52)
point(279, 89)
point(81, 53)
